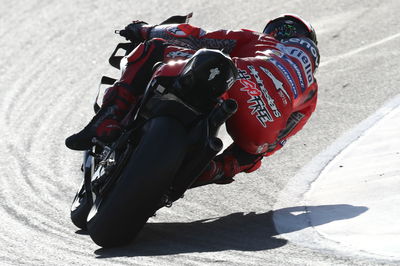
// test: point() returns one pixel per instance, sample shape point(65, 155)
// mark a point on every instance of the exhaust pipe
point(221, 114)
point(195, 166)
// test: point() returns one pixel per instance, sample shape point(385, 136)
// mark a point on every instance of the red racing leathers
point(276, 90)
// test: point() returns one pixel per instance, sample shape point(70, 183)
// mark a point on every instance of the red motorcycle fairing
point(170, 69)
point(175, 59)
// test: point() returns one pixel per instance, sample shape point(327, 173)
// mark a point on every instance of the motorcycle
point(168, 140)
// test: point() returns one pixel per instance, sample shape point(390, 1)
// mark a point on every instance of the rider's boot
point(225, 166)
point(105, 125)
point(118, 100)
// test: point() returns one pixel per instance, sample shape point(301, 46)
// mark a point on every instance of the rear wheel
point(116, 219)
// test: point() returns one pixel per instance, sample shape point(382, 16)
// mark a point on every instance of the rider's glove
point(235, 160)
point(214, 173)
point(136, 31)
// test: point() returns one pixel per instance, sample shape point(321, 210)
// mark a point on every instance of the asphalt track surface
point(52, 56)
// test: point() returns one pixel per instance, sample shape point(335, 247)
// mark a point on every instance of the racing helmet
point(290, 25)
point(291, 29)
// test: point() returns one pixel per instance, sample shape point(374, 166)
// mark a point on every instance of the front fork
point(88, 170)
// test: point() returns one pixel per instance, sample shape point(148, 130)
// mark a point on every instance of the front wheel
point(83, 201)
point(119, 217)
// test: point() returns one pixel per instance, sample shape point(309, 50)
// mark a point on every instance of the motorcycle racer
point(276, 89)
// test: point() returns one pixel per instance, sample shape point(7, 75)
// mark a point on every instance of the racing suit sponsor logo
point(226, 45)
point(257, 104)
point(303, 57)
point(297, 71)
point(213, 72)
point(230, 81)
point(287, 75)
point(175, 54)
point(307, 44)
point(175, 31)
point(283, 142)
point(281, 47)
point(305, 62)
point(186, 40)
point(262, 148)
point(277, 53)
point(196, 44)
point(242, 74)
point(260, 84)
point(278, 85)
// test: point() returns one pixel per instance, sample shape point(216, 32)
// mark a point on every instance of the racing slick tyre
point(81, 206)
point(121, 214)
point(83, 201)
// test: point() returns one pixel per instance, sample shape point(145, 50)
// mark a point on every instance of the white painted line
point(309, 219)
point(358, 50)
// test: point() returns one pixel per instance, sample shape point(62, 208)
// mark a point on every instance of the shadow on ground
point(237, 231)
point(297, 218)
